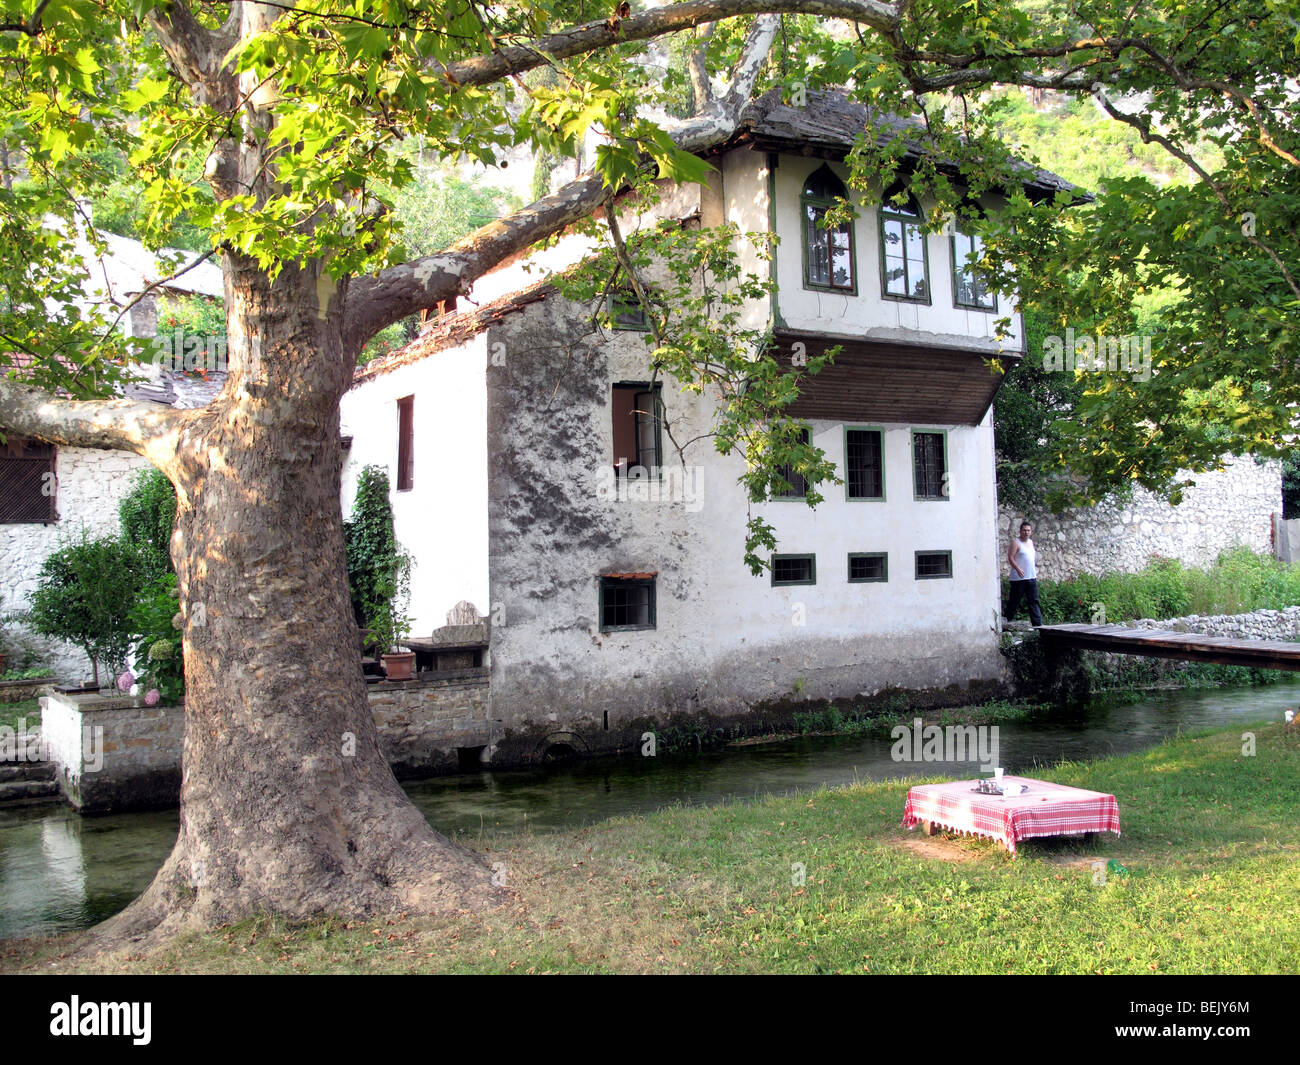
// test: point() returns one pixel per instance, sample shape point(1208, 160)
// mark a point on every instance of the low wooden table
point(1044, 809)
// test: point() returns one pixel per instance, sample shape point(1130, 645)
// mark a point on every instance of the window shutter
point(27, 482)
point(405, 443)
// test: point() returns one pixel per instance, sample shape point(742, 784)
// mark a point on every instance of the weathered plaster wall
point(90, 486)
point(724, 639)
point(442, 520)
point(1222, 510)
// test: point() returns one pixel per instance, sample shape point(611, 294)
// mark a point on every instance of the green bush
point(159, 662)
point(147, 514)
point(1239, 581)
point(85, 595)
point(379, 570)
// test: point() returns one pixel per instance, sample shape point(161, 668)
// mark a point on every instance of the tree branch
point(578, 40)
point(377, 301)
point(699, 67)
point(147, 429)
point(33, 27)
point(1143, 126)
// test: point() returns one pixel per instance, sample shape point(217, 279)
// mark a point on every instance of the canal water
point(60, 871)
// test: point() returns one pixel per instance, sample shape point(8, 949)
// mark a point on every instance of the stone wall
point(1223, 509)
point(113, 753)
point(90, 486)
point(424, 724)
point(1257, 625)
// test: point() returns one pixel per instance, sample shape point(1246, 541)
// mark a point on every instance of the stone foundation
point(425, 724)
point(114, 753)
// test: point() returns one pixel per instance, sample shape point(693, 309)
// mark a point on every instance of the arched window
point(904, 267)
point(828, 251)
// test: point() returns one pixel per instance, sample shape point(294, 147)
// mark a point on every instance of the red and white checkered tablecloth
point(1045, 809)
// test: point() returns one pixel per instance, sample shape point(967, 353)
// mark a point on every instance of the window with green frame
point(929, 465)
point(797, 481)
point(970, 288)
point(627, 603)
point(827, 250)
point(864, 465)
point(794, 569)
point(933, 565)
point(625, 310)
point(868, 567)
point(904, 263)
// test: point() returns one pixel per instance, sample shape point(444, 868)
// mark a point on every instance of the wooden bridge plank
point(1185, 646)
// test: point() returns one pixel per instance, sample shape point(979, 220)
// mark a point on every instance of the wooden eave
point(893, 381)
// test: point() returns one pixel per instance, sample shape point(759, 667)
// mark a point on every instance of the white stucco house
point(48, 494)
point(504, 426)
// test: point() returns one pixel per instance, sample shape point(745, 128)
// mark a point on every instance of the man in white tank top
point(1024, 575)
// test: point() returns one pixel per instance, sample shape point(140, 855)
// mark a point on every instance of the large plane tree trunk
point(287, 804)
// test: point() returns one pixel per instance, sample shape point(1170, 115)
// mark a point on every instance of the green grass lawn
point(1211, 850)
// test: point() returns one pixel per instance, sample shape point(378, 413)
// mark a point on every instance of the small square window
point(794, 569)
point(27, 482)
point(868, 567)
point(933, 565)
point(627, 603)
point(626, 311)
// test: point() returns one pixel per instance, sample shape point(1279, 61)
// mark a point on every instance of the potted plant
point(379, 574)
point(399, 660)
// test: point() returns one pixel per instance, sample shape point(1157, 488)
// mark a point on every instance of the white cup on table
point(997, 774)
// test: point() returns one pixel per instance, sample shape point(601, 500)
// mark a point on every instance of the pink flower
point(151, 697)
point(125, 681)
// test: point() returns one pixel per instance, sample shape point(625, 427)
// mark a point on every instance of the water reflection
point(60, 871)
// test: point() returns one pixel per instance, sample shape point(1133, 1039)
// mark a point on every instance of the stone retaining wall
point(424, 724)
point(1223, 509)
point(114, 753)
point(1257, 625)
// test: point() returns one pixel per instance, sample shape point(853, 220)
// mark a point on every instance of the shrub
point(147, 514)
point(1239, 581)
point(85, 594)
point(379, 570)
point(159, 662)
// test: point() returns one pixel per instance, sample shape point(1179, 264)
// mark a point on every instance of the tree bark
point(287, 804)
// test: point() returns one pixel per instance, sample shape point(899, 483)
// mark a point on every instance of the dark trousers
point(1027, 590)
